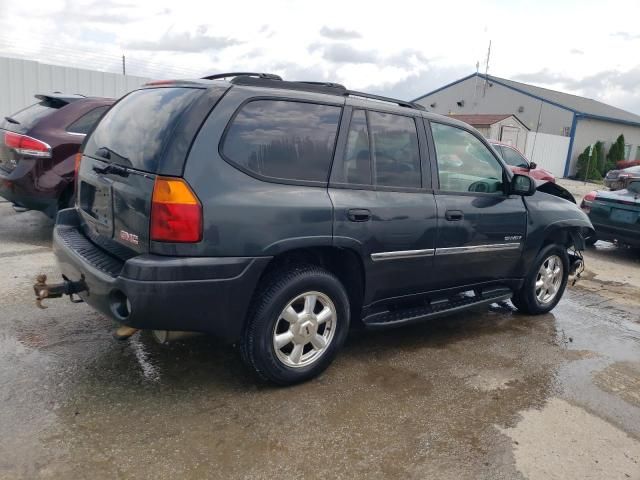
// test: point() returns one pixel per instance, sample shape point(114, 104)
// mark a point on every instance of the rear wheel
point(296, 325)
point(67, 199)
point(544, 286)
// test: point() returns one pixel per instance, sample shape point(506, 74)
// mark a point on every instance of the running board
point(437, 308)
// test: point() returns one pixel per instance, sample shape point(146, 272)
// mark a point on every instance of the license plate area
point(96, 201)
point(623, 216)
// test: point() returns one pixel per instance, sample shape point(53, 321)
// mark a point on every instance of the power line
point(95, 60)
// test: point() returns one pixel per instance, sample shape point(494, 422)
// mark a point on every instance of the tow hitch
point(57, 290)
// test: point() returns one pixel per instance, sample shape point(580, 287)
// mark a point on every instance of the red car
point(38, 146)
point(519, 164)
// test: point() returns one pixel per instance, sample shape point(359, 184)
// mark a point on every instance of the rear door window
point(86, 122)
point(357, 160)
point(282, 139)
point(135, 131)
point(395, 150)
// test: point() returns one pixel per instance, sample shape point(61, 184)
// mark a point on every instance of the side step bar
point(437, 308)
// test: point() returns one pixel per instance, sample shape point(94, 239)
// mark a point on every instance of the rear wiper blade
point(12, 120)
point(112, 168)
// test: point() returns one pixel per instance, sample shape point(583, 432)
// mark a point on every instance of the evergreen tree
point(616, 153)
point(583, 161)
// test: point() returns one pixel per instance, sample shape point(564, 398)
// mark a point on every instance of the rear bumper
point(611, 233)
point(23, 187)
point(209, 295)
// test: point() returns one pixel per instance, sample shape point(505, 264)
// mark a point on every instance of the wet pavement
point(487, 394)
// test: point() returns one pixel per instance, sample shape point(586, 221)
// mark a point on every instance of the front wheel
point(296, 325)
point(544, 286)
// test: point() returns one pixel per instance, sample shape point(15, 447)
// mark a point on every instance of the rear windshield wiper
point(106, 152)
point(12, 120)
point(112, 168)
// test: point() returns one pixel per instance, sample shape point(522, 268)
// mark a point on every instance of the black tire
point(591, 241)
point(526, 300)
point(67, 199)
point(275, 293)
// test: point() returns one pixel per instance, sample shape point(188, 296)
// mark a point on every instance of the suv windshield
point(512, 157)
point(135, 130)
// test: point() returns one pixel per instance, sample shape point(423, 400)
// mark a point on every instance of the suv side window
point(465, 164)
point(513, 158)
point(86, 122)
point(394, 139)
point(283, 139)
point(357, 159)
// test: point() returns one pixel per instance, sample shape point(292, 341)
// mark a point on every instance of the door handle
point(453, 215)
point(359, 215)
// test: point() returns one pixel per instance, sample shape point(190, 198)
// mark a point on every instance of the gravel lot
point(489, 394)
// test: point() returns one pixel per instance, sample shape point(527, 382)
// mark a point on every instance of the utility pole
point(486, 70)
point(124, 67)
point(586, 173)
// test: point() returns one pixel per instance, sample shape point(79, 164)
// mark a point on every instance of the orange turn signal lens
point(173, 190)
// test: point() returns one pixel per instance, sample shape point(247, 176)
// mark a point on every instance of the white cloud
point(405, 48)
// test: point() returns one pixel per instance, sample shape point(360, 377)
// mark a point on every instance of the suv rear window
point(28, 117)
point(283, 139)
point(135, 130)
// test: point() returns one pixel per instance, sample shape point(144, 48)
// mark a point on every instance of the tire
point(67, 199)
point(289, 362)
point(532, 300)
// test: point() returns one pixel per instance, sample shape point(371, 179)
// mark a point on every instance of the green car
point(615, 214)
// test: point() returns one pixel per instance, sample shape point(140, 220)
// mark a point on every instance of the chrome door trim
point(495, 247)
point(377, 257)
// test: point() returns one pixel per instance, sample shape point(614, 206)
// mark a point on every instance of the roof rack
point(267, 76)
point(380, 98)
point(275, 81)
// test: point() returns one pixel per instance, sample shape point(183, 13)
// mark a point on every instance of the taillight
point(176, 213)
point(587, 200)
point(25, 145)
point(76, 170)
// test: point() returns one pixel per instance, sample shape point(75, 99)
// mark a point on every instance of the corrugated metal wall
point(548, 151)
point(21, 79)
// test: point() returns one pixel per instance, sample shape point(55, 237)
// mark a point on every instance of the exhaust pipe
point(166, 336)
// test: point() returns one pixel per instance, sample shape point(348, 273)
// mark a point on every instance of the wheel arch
point(345, 263)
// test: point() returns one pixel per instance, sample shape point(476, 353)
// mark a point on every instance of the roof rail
point(275, 81)
point(323, 84)
point(380, 98)
point(268, 76)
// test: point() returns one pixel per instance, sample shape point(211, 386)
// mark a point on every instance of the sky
point(398, 48)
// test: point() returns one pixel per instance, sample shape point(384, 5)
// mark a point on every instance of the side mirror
point(523, 185)
point(533, 165)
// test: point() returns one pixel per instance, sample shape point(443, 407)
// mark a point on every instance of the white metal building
point(554, 118)
point(21, 79)
point(504, 127)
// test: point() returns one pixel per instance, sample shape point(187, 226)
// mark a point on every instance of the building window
point(627, 151)
point(566, 131)
point(638, 153)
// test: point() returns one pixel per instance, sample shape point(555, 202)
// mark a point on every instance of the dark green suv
point(277, 214)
